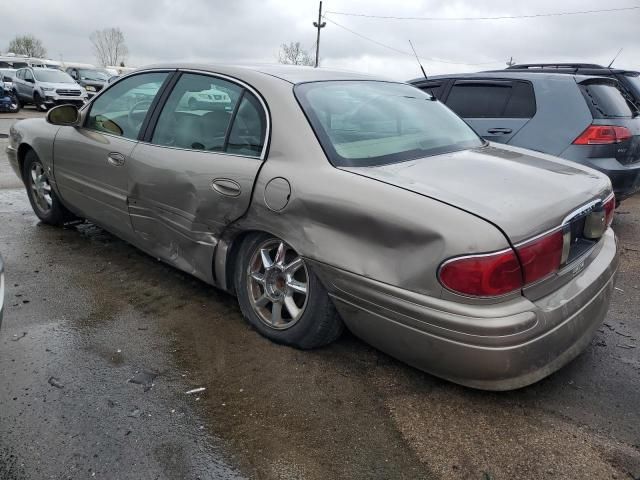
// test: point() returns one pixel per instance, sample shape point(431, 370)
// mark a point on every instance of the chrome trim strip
point(581, 210)
point(537, 237)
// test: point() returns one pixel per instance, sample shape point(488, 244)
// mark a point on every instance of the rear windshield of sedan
point(52, 76)
point(364, 123)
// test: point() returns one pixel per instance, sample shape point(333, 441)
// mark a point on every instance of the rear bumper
point(494, 347)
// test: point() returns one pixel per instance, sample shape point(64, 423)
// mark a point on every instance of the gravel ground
point(100, 342)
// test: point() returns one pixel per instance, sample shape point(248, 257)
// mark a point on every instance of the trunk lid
point(523, 193)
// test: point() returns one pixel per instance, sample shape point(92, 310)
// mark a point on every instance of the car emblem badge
point(577, 269)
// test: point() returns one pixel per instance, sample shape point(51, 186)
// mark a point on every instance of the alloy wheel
point(40, 187)
point(278, 284)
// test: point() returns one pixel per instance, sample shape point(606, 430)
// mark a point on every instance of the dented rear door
point(195, 174)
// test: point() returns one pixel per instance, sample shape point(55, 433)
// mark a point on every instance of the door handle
point(226, 186)
point(504, 131)
point(115, 159)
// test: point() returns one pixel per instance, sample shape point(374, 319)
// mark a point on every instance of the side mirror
point(29, 80)
point(63, 115)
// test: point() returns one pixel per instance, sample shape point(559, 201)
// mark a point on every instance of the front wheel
point(39, 102)
point(43, 199)
point(281, 297)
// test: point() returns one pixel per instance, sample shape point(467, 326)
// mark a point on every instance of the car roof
point(516, 75)
point(569, 68)
point(289, 73)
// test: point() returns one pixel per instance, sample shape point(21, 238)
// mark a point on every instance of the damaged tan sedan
point(324, 199)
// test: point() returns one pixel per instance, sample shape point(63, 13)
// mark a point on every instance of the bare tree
point(27, 45)
point(109, 46)
point(294, 54)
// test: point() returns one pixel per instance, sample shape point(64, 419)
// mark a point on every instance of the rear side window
point(605, 100)
point(211, 114)
point(497, 99)
point(434, 88)
point(248, 131)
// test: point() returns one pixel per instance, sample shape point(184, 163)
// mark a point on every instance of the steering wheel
point(135, 125)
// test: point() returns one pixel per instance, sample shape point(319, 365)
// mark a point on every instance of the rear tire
point(18, 101)
point(15, 104)
point(302, 320)
point(43, 199)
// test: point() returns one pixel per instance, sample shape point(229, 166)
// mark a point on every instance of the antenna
point(421, 67)
point(614, 58)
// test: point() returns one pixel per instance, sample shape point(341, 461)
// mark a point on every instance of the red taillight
point(609, 207)
point(490, 275)
point(485, 275)
point(603, 135)
point(541, 257)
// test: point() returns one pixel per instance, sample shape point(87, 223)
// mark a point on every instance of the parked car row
point(46, 88)
point(323, 198)
point(45, 84)
point(583, 113)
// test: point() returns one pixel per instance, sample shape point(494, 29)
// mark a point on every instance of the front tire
point(43, 199)
point(39, 103)
point(281, 297)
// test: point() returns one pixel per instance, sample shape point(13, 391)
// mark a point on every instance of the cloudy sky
point(242, 31)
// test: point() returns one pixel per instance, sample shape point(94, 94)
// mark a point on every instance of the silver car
point(46, 88)
point(324, 199)
point(1, 289)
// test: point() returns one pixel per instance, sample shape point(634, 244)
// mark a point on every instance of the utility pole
point(319, 24)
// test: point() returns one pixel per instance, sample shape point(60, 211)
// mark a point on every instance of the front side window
point(362, 123)
point(52, 76)
point(28, 75)
point(121, 110)
point(211, 114)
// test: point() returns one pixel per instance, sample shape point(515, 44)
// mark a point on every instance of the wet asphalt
point(100, 344)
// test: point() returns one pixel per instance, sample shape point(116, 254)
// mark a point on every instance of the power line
point(403, 52)
point(502, 17)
